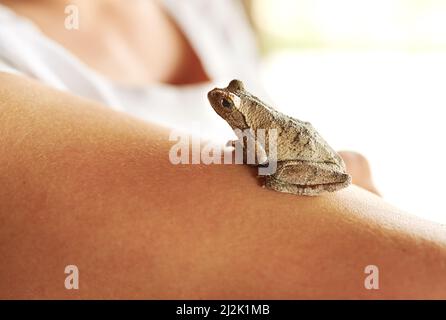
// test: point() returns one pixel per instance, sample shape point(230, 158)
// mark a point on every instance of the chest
point(134, 45)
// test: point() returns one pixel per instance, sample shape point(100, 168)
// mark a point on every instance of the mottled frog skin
point(306, 164)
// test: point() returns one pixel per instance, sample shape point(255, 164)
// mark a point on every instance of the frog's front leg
point(307, 178)
point(256, 154)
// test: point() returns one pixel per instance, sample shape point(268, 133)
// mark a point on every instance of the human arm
point(84, 185)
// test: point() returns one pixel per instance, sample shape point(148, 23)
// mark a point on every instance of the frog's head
point(228, 103)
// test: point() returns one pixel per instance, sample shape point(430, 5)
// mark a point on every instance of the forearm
point(87, 186)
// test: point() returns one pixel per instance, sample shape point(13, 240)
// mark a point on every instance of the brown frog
point(306, 164)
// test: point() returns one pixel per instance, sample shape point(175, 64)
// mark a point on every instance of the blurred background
point(370, 75)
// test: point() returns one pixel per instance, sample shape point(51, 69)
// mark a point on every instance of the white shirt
point(217, 30)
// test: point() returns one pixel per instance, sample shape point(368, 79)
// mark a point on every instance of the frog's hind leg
point(307, 178)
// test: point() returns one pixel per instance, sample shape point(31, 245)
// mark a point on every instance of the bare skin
point(84, 185)
point(135, 44)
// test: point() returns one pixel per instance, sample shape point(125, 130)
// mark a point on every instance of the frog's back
point(260, 115)
point(297, 140)
point(302, 142)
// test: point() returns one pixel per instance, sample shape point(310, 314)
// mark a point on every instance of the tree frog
point(306, 164)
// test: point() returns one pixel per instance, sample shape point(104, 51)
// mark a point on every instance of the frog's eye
point(226, 103)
